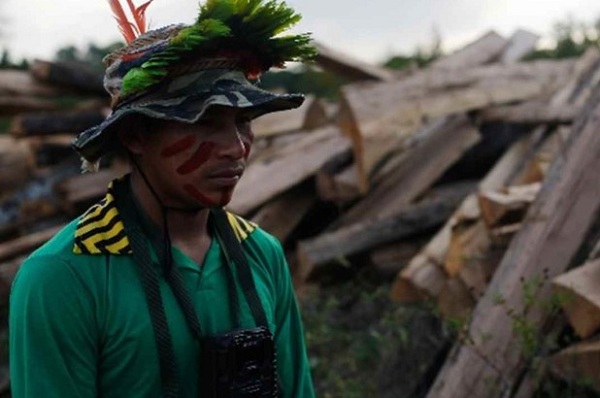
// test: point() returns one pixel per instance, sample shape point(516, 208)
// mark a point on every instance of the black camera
point(240, 364)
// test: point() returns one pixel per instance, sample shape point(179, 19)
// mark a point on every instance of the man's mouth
point(226, 177)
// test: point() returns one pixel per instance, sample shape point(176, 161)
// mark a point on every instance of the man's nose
point(230, 142)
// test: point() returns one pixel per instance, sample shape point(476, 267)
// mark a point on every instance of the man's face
point(197, 165)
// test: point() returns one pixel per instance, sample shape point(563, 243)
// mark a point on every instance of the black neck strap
point(149, 275)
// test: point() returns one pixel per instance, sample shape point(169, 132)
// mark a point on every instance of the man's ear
point(131, 140)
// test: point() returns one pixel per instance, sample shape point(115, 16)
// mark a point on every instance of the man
point(156, 291)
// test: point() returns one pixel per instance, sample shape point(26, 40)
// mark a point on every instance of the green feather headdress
point(247, 31)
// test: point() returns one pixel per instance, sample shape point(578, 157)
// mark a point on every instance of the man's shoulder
point(61, 244)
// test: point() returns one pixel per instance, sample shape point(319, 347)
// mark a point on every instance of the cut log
point(521, 43)
point(362, 236)
point(580, 298)
point(578, 365)
point(10, 106)
point(265, 179)
point(75, 76)
point(468, 243)
point(350, 68)
point(432, 256)
point(422, 166)
point(25, 244)
point(80, 191)
point(508, 206)
point(309, 116)
point(454, 301)
point(482, 51)
point(318, 114)
point(56, 123)
point(339, 187)
point(18, 83)
point(390, 259)
point(16, 163)
point(507, 171)
point(551, 235)
point(283, 214)
point(528, 113)
point(379, 124)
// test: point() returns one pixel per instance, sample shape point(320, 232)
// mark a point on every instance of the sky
point(371, 30)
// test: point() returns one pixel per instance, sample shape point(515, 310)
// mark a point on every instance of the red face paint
point(179, 146)
point(199, 196)
point(198, 158)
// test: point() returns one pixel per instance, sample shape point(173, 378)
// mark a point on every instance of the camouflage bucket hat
point(186, 99)
point(179, 71)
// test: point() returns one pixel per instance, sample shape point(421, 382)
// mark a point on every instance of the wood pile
point(460, 183)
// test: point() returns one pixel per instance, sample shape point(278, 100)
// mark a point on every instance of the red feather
point(124, 24)
point(139, 15)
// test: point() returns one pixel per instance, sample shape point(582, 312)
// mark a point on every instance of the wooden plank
point(378, 124)
point(10, 106)
point(528, 113)
point(25, 244)
point(18, 83)
point(75, 76)
point(84, 188)
point(423, 165)
point(349, 67)
point(309, 116)
point(520, 44)
point(580, 298)
point(555, 226)
point(362, 236)
point(266, 179)
point(434, 254)
point(481, 51)
point(56, 123)
point(454, 301)
point(578, 364)
point(16, 163)
point(507, 206)
point(282, 215)
point(389, 259)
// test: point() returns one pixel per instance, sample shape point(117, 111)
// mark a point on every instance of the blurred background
point(428, 130)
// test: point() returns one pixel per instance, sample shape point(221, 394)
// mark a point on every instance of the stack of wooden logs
point(382, 156)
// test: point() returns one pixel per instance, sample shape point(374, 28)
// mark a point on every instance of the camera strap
point(149, 275)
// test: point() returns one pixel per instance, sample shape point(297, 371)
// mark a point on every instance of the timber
point(362, 236)
point(298, 161)
point(69, 75)
point(521, 43)
point(13, 248)
point(529, 113)
point(547, 242)
point(579, 364)
point(18, 83)
point(349, 67)
point(580, 297)
point(481, 51)
point(16, 163)
point(422, 166)
point(56, 123)
point(280, 216)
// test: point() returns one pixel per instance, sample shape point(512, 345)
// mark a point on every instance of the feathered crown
point(241, 34)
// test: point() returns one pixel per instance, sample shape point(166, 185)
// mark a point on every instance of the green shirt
point(80, 326)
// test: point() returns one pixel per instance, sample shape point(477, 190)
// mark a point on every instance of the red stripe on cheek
point(198, 158)
point(179, 146)
point(199, 196)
